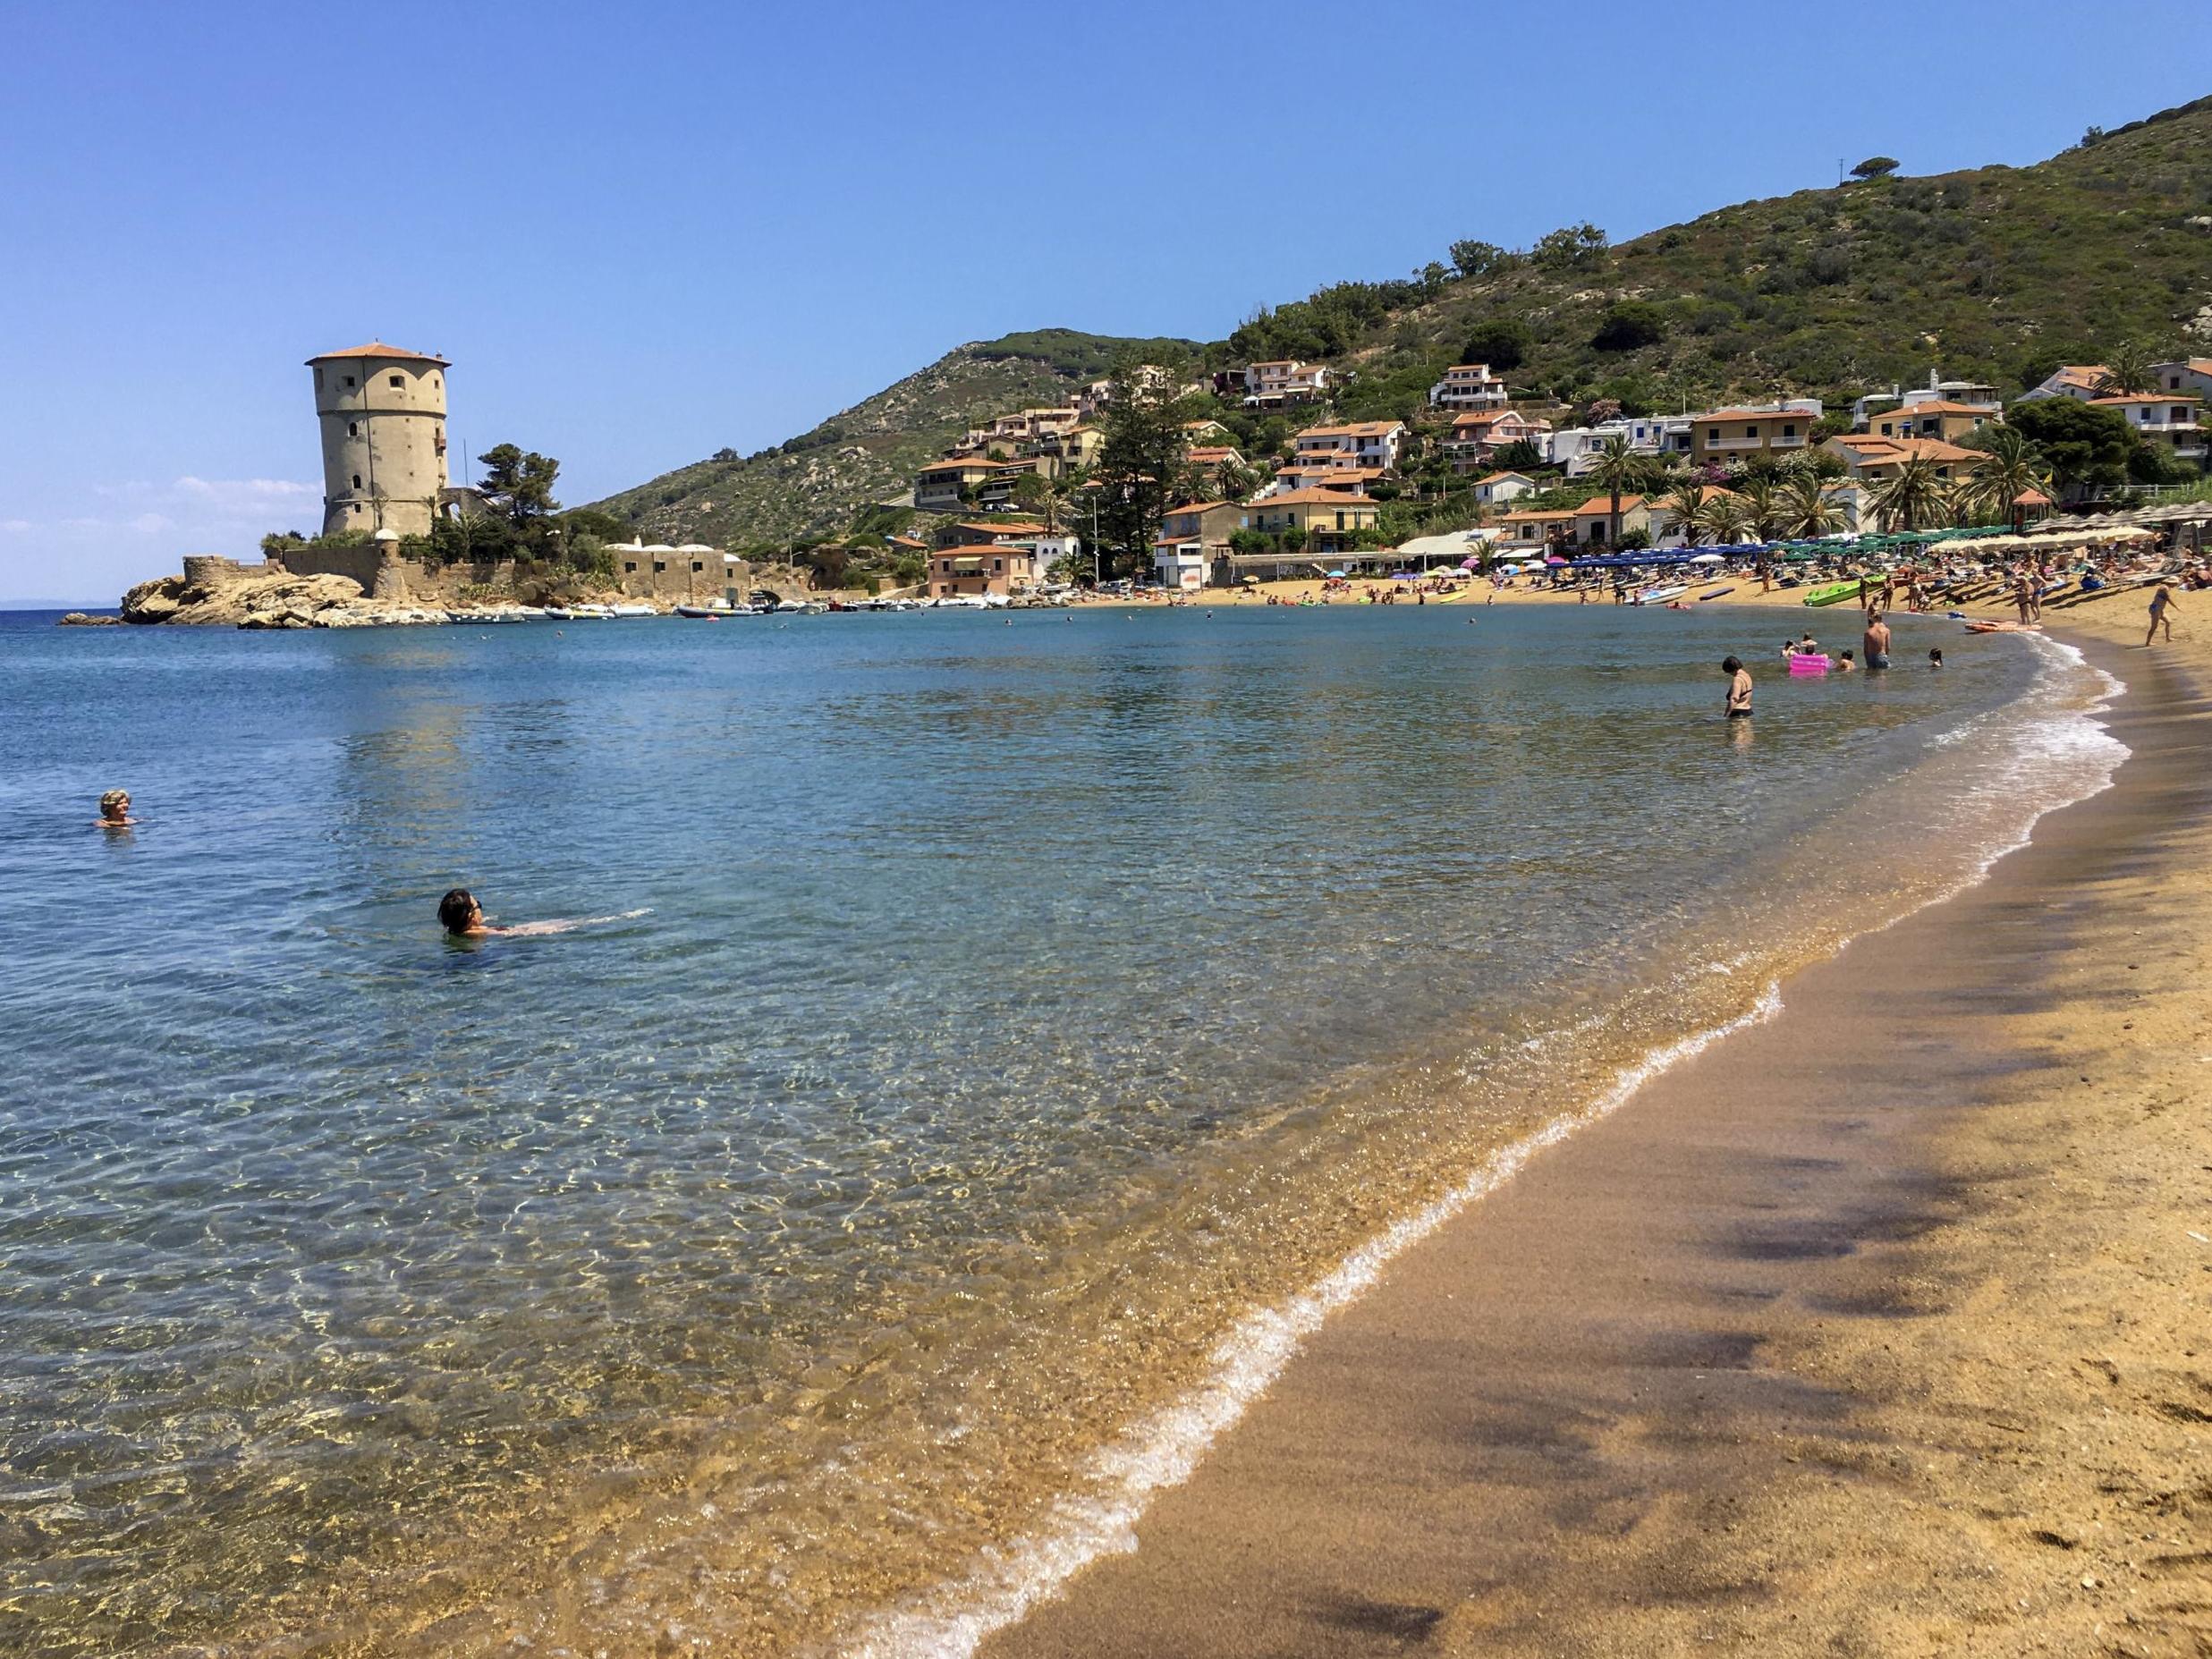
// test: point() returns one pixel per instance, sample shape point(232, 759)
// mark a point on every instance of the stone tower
point(382, 413)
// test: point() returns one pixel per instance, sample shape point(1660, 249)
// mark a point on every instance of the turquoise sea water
point(1018, 1005)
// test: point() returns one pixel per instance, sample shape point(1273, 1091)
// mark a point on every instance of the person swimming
point(462, 918)
point(1935, 657)
point(116, 810)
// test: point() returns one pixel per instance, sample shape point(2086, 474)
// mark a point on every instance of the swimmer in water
point(116, 810)
point(462, 918)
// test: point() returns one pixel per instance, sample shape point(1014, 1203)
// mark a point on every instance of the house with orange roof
point(1866, 456)
point(939, 486)
point(1538, 527)
point(1212, 455)
point(1934, 418)
point(1326, 472)
point(1593, 519)
point(981, 568)
point(2164, 418)
point(2185, 373)
point(1326, 519)
point(1478, 435)
point(2078, 381)
point(1468, 386)
point(1723, 437)
point(1193, 538)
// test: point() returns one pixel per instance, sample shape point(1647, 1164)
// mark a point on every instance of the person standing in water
point(116, 810)
point(1877, 641)
point(1739, 688)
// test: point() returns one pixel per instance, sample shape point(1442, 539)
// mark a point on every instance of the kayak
point(1716, 593)
point(1834, 593)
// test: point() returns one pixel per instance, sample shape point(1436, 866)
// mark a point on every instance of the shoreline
point(1381, 1493)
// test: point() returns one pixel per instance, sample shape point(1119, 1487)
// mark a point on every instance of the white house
point(1468, 386)
point(2165, 418)
point(2187, 375)
point(1500, 487)
point(2082, 381)
point(1575, 448)
point(1273, 385)
point(1358, 444)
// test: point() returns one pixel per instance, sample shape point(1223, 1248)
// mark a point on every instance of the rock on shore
point(274, 600)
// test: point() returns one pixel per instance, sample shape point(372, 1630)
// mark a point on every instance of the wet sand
point(1882, 1328)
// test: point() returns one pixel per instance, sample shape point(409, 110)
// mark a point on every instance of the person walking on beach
point(2162, 603)
point(116, 810)
point(1877, 641)
point(1739, 688)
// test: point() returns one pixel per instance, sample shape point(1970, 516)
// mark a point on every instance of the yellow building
point(1728, 437)
point(1327, 520)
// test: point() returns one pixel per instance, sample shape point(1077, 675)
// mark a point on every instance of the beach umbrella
point(1470, 564)
point(1553, 558)
point(1336, 573)
point(1707, 558)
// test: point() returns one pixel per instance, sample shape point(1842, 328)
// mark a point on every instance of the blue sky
point(647, 231)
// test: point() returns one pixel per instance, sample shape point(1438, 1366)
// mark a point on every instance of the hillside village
point(1255, 494)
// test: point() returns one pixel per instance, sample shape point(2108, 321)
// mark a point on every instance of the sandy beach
point(1879, 1328)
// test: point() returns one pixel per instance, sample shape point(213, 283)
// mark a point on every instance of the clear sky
point(642, 233)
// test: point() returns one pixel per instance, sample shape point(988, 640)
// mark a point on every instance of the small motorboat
point(629, 610)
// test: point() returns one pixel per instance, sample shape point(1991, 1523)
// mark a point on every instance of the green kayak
point(1834, 593)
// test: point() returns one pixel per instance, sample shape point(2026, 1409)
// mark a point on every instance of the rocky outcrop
point(250, 599)
point(82, 619)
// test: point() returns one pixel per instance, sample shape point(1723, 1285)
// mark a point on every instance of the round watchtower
point(382, 413)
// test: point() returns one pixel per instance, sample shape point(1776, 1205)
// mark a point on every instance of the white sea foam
point(2054, 751)
point(1162, 1450)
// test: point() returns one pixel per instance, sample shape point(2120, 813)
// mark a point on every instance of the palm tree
point(1684, 506)
point(1807, 508)
point(1762, 505)
point(1618, 467)
point(2129, 370)
point(1232, 479)
point(2012, 469)
point(1960, 499)
point(1911, 494)
point(1724, 517)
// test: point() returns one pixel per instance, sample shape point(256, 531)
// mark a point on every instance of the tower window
point(399, 380)
point(353, 430)
point(357, 480)
point(349, 383)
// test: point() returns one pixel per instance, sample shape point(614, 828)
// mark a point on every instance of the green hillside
point(1996, 272)
point(813, 485)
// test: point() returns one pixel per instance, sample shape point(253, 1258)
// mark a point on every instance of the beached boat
point(1659, 594)
point(632, 610)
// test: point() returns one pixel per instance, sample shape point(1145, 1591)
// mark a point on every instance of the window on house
point(399, 380)
point(629, 567)
point(1789, 432)
point(1712, 435)
point(1750, 431)
point(349, 383)
point(697, 567)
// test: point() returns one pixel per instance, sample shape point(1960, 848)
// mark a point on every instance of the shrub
point(1629, 326)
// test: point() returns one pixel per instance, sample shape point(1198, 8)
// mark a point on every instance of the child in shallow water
point(462, 918)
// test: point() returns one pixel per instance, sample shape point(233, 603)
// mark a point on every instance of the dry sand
point(1884, 1328)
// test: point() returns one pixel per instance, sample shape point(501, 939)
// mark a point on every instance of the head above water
point(458, 911)
point(115, 804)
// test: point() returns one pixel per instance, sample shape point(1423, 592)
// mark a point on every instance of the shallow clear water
point(1019, 1007)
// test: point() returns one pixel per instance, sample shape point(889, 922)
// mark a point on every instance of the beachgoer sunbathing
point(116, 810)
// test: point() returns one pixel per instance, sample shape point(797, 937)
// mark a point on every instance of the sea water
point(1036, 1023)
